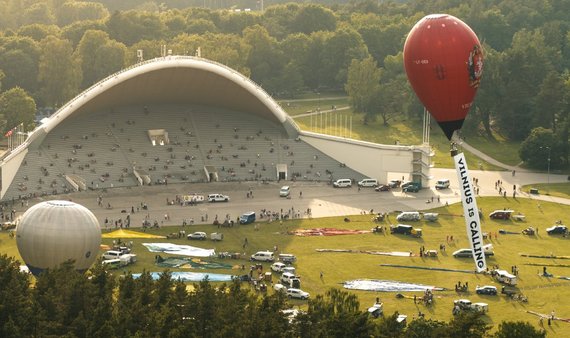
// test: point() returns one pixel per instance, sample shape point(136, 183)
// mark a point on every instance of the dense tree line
point(66, 303)
point(52, 50)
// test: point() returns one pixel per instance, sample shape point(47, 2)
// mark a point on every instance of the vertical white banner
point(470, 211)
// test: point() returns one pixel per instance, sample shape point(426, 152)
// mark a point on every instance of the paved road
point(321, 198)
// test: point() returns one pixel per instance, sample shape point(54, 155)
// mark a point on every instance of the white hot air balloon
point(53, 232)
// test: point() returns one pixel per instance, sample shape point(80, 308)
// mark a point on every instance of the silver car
point(297, 294)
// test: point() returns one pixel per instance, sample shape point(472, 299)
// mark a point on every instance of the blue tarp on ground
point(386, 285)
point(191, 276)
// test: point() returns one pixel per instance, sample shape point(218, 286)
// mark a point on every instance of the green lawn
point(498, 148)
point(296, 107)
point(553, 189)
point(405, 132)
point(544, 294)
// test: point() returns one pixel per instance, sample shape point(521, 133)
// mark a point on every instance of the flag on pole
point(9, 133)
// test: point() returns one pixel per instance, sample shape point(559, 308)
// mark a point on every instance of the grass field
point(545, 294)
point(553, 189)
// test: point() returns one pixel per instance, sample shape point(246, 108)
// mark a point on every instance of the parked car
point(342, 183)
point(486, 290)
point(462, 304)
point(285, 191)
point(557, 230)
point(394, 183)
point(442, 184)
point(501, 214)
point(289, 269)
point(286, 277)
point(412, 188)
point(263, 256)
point(405, 229)
point(431, 216)
point(480, 307)
point(297, 294)
point(503, 276)
point(382, 187)
point(278, 266)
point(112, 254)
point(368, 182)
point(287, 258)
point(198, 235)
point(218, 198)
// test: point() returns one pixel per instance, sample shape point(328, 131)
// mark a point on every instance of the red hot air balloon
point(444, 62)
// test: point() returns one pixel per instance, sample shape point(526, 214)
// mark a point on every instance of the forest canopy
point(293, 48)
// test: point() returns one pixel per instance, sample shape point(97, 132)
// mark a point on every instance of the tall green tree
point(99, 56)
point(59, 73)
point(313, 18)
point(389, 327)
point(132, 26)
point(363, 85)
point(343, 46)
point(16, 312)
point(518, 330)
point(549, 101)
point(75, 11)
point(75, 32)
point(467, 325)
point(422, 328)
point(338, 315)
point(540, 146)
point(38, 32)
point(19, 59)
point(265, 60)
point(394, 93)
point(17, 107)
point(38, 13)
point(87, 54)
point(527, 63)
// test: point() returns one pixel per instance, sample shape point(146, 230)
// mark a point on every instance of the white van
point(112, 254)
point(504, 277)
point(218, 198)
point(285, 191)
point(368, 182)
point(342, 183)
point(442, 184)
point(263, 256)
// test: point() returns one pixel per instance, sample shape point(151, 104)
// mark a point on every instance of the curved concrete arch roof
point(175, 79)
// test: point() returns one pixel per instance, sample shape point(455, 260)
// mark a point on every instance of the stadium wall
point(10, 168)
point(370, 159)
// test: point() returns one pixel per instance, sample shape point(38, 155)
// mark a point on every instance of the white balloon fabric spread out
point(386, 286)
point(53, 232)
